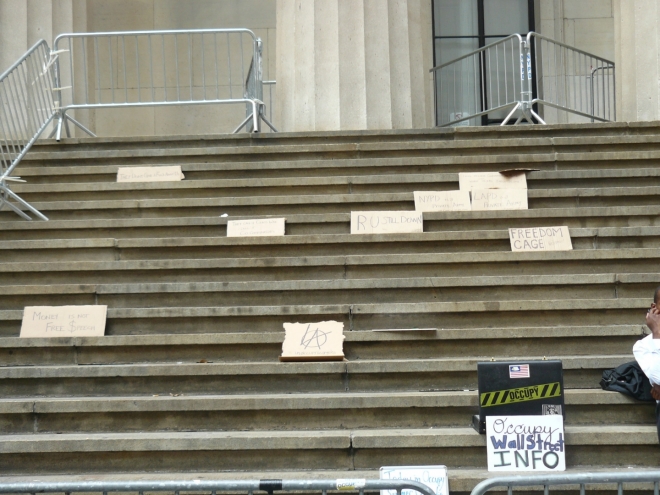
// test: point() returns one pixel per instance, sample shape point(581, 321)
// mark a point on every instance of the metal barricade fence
point(581, 480)
point(483, 81)
point(499, 81)
point(573, 80)
point(215, 486)
point(26, 108)
point(158, 68)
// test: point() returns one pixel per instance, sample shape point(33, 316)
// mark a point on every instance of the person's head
point(656, 297)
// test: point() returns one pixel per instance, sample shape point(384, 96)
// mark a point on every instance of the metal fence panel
point(27, 107)
point(215, 486)
point(159, 68)
point(579, 480)
point(498, 80)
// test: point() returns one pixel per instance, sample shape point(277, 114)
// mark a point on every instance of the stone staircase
point(187, 378)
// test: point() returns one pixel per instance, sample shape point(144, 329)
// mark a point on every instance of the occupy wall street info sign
point(525, 443)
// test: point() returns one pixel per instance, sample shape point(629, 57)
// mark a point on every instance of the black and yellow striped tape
point(523, 394)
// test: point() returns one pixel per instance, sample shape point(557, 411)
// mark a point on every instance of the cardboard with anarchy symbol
point(322, 341)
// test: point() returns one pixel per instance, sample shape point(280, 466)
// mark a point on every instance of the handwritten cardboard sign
point(150, 174)
point(259, 227)
point(386, 222)
point(442, 201)
point(540, 239)
point(525, 443)
point(469, 181)
point(63, 321)
point(499, 199)
point(322, 341)
point(435, 477)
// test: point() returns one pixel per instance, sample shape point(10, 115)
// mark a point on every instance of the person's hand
point(655, 392)
point(653, 322)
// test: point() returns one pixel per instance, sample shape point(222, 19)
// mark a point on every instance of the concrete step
point(632, 165)
point(353, 291)
point(292, 150)
point(290, 204)
point(358, 344)
point(152, 215)
point(466, 264)
point(352, 449)
point(111, 249)
point(380, 375)
point(289, 412)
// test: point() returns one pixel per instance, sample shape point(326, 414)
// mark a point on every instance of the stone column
point(353, 64)
point(637, 59)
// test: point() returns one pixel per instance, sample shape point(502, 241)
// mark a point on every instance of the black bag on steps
point(628, 379)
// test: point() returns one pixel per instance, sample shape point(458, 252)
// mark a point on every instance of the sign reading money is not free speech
point(63, 321)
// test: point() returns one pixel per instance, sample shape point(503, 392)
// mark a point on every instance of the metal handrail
point(194, 55)
point(248, 486)
point(27, 107)
point(580, 479)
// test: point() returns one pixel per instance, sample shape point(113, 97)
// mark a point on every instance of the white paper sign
point(525, 443)
point(442, 201)
point(468, 181)
point(435, 477)
point(386, 222)
point(149, 174)
point(63, 321)
point(322, 341)
point(540, 239)
point(260, 227)
point(499, 199)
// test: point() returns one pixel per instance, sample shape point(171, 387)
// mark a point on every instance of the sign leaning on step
point(258, 227)
point(150, 174)
point(525, 443)
point(63, 321)
point(540, 239)
point(469, 181)
point(386, 222)
point(442, 201)
point(320, 341)
point(435, 477)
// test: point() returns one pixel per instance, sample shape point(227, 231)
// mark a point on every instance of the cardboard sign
point(323, 341)
point(540, 239)
point(469, 181)
point(149, 174)
point(442, 201)
point(525, 443)
point(63, 321)
point(386, 222)
point(260, 227)
point(499, 199)
point(435, 477)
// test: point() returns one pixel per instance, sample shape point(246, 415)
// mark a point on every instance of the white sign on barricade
point(435, 477)
point(525, 443)
point(386, 222)
point(442, 201)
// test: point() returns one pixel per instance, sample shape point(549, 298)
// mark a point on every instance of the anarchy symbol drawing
point(314, 339)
